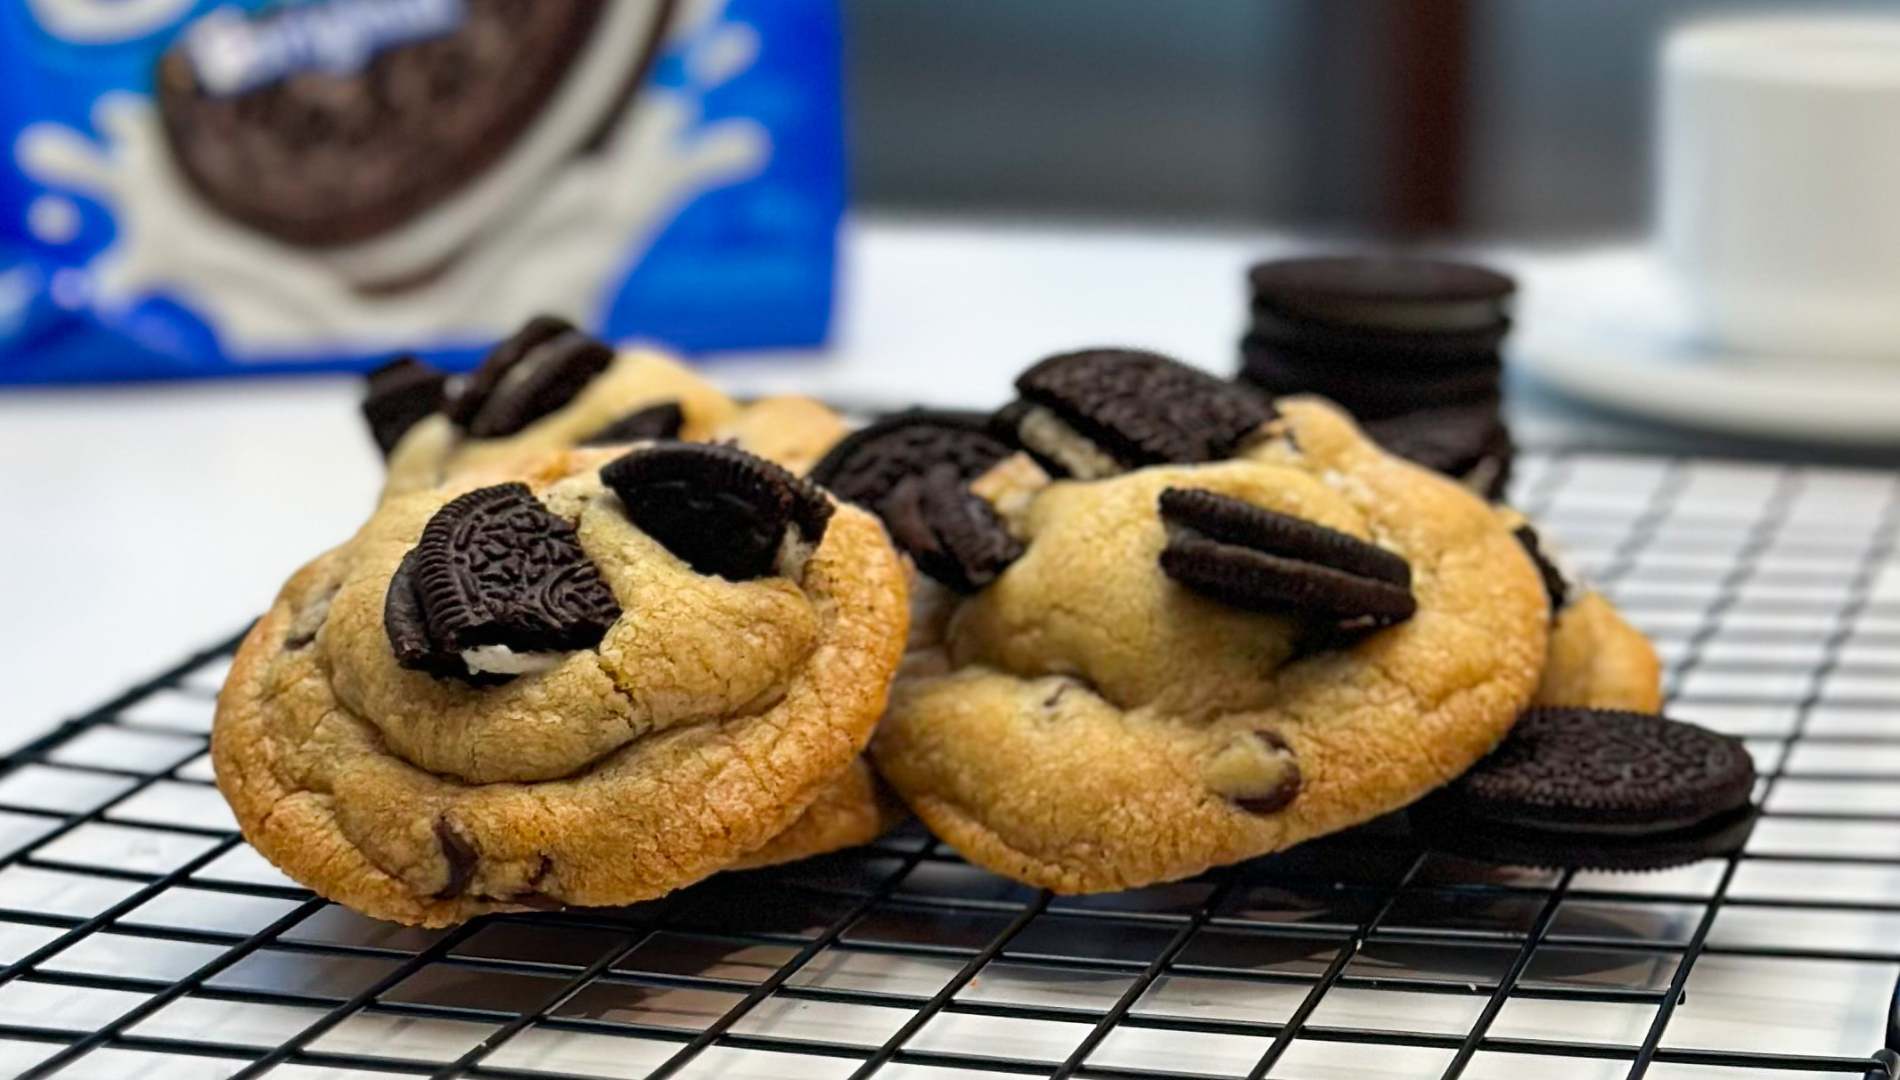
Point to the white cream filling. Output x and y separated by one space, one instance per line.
794 554
1052 437
501 660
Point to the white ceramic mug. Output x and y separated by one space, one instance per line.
1779 184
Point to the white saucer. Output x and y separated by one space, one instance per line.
1607 326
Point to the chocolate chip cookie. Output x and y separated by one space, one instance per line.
1597 660
1195 662
551 690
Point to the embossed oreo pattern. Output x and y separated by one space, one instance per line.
1142 408
495 567
869 463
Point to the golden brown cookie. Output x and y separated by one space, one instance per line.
1088 723
1599 661
711 715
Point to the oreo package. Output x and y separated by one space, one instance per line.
198 187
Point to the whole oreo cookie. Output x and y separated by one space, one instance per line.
399 395
1385 293
494 576
264 125
721 510
952 535
1366 389
543 366
1599 790
1251 557
1098 412
662 421
868 464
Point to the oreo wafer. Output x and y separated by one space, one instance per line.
543 366
399 395
1251 557
1468 443
951 534
662 421
868 464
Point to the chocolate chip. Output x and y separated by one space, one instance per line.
719 508
662 421
1555 586
1251 557
1100 411
1259 773
400 394
460 856
494 568
952 535
866 465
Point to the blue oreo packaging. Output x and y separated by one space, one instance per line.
212 187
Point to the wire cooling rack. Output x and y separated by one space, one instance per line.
141 938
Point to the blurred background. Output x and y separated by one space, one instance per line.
1513 120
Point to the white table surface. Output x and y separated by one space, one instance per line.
147 521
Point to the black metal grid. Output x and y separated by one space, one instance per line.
141 938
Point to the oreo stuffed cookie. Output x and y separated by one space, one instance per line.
551 387
1225 632
603 678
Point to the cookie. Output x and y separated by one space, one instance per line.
1385 293
1596 660
1251 557
866 465
719 509
1098 412
662 421
1596 789
707 720
1468 443
952 535
399 395
1085 723
387 136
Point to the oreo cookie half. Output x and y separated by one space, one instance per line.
721 510
495 580
543 366
868 464
662 421
1596 789
1099 412
1251 557
952 535
400 394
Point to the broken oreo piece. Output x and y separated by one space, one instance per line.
868 464
400 394
1596 789
662 421
1251 557
1099 412
547 377
494 576
499 361
719 508
951 534
1556 586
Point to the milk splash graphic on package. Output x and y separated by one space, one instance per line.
266 297
700 209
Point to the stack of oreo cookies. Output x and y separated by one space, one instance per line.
1408 346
